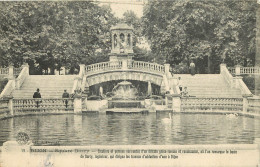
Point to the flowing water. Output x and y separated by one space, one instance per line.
134 129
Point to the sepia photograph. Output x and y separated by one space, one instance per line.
130 83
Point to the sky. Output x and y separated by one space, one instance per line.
120 6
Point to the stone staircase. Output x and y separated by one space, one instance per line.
208 85
51 86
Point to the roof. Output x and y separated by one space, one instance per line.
121 26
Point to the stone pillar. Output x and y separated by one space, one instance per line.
82 69
26 66
176 103
149 88
167 68
11 107
101 91
245 103
124 64
11 72
237 70
113 42
77 104
222 67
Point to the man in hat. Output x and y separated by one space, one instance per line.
65 95
37 94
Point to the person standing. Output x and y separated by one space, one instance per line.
65 95
37 94
179 83
192 68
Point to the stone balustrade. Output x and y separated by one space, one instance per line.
103 66
226 74
238 70
4 71
141 65
134 65
4 107
193 103
24 105
254 105
17 71
10 71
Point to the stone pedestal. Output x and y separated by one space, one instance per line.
124 64
176 103
82 69
167 69
77 104
149 88
11 72
237 70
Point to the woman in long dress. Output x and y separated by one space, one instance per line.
192 68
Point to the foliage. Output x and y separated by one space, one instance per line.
53 34
183 30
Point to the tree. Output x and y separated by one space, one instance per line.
183 30
53 34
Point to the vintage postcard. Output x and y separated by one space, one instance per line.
130 83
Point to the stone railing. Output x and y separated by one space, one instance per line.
236 81
125 65
141 65
34 105
4 107
226 74
243 88
104 66
17 71
238 70
22 76
10 71
9 87
254 105
192 103
4 71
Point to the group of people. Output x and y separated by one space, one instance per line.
37 94
184 91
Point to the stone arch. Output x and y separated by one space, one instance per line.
110 76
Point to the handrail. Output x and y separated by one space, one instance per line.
146 66
4 105
4 71
227 76
212 103
9 87
33 104
22 76
17 70
249 70
243 88
104 66
244 70
135 65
